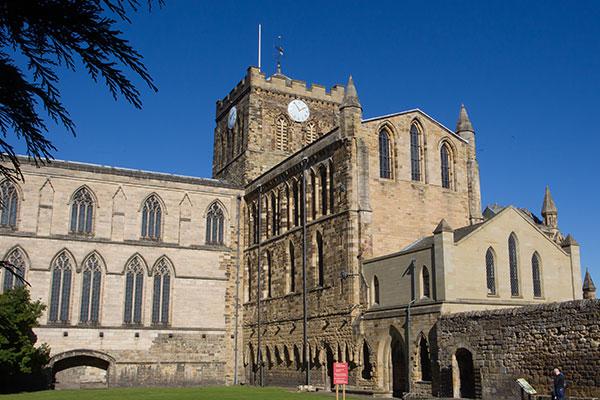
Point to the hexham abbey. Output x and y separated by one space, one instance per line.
322 237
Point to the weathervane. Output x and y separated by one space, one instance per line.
279 49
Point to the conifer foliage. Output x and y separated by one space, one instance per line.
38 39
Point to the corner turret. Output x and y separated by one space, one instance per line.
464 128
350 111
549 211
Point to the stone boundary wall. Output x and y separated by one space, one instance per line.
526 342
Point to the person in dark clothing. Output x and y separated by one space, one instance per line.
559 385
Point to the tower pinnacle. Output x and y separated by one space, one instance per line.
549 210
589 290
464 123
350 96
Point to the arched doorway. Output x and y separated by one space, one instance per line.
398 362
463 374
330 360
251 366
81 369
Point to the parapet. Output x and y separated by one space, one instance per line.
256 78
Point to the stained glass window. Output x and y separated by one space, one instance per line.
162 293
82 212
514 266
415 152
385 170
134 290
60 293
16 259
214 225
151 218
10 200
90 290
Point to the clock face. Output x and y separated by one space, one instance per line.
298 110
232 117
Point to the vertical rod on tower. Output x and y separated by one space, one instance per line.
306 352
258 226
259 44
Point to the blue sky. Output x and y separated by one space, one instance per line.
528 72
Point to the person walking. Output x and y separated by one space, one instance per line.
559 385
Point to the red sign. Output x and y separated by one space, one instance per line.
340 373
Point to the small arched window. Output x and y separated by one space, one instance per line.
376 299
281 134
134 291
320 262
324 191
90 290
490 272
151 218
161 294
255 224
10 201
311 132
426 282
15 277
331 187
250 280
296 203
446 165
269 275
274 214
82 212
385 161
214 225
60 293
415 152
292 272
314 194
513 260
537 275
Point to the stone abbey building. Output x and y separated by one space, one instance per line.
159 279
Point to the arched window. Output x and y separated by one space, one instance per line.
10 200
214 225
424 360
292 276
90 290
513 264
16 259
446 161
162 293
151 218
281 134
82 212
426 282
311 132
60 294
376 299
134 291
288 208
537 275
313 185
250 280
331 187
415 152
385 161
320 262
490 272
274 214
255 224
296 204
269 275
367 366
323 182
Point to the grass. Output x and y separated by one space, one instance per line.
199 393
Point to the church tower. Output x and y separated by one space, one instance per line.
264 120
464 128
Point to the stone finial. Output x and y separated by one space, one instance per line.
569 241
443 226
350 96
464 123
589 290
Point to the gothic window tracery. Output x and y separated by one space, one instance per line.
134 290
16 259
446 166
214 225
161 293
415 152
90 290
60 292
385 160
324 190
320 261
82 212
151 218
9 204
311 132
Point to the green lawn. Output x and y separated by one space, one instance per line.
207 393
